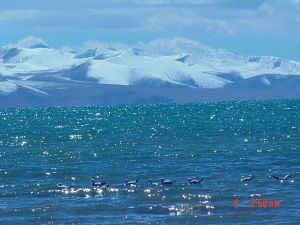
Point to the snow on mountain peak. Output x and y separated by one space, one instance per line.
178 45
32 42
176 61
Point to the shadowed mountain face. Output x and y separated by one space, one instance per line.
79 73
234 77
268 82
7 54
38 75
87 54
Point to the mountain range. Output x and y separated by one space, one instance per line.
34 74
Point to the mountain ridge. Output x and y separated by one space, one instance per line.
32 64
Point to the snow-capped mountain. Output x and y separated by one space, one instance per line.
34 66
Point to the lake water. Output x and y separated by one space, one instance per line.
220 142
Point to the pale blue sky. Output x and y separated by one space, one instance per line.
249 27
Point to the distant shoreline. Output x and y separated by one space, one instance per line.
105 94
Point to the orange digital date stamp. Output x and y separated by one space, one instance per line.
260 203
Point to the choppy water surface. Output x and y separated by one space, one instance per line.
220 142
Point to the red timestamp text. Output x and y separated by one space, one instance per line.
260 203
264 203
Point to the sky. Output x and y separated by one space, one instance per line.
248 27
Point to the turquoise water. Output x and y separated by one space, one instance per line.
220 142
